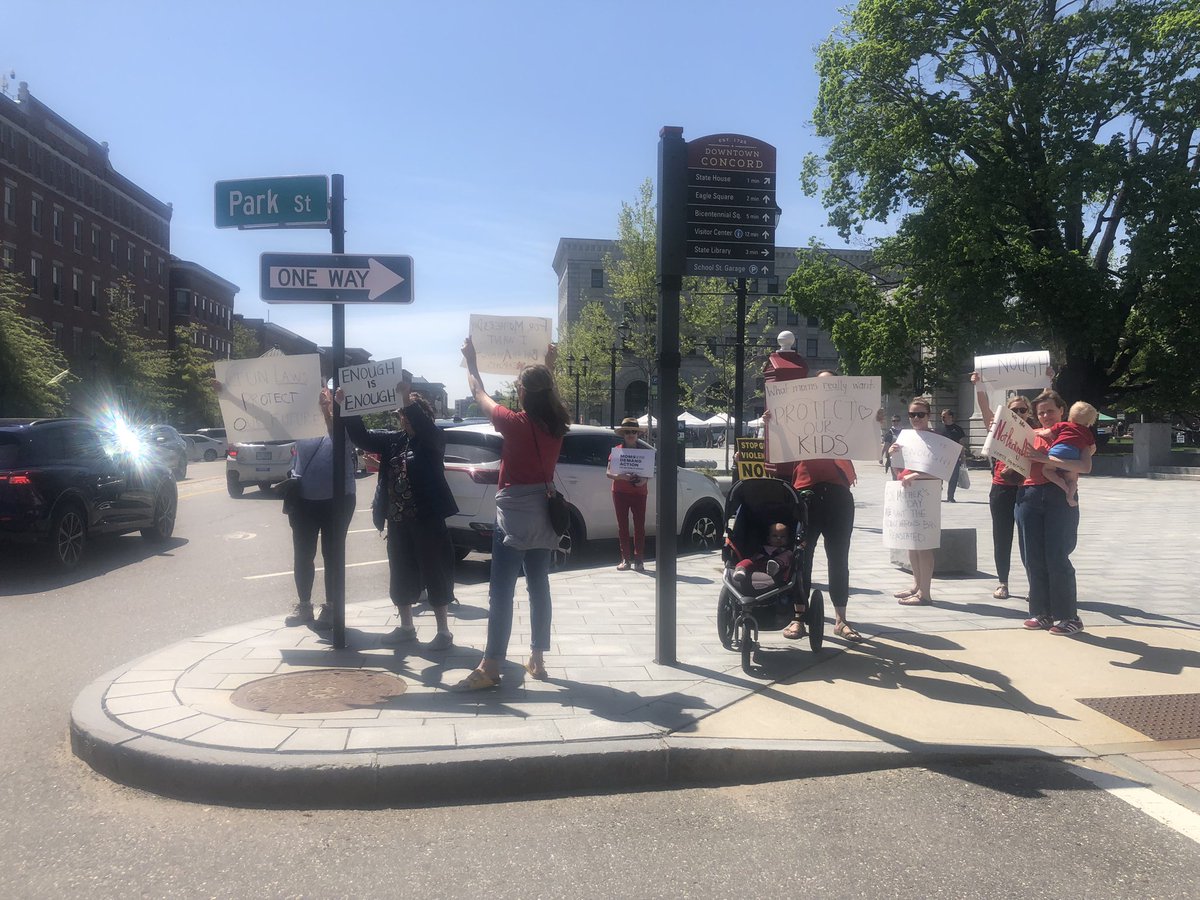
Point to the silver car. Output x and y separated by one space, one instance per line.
473 471
266 464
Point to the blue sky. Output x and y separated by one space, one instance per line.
472 135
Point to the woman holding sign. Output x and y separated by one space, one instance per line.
629 493
921 561
523 538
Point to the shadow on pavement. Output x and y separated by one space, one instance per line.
1127 614
29 570
1166 660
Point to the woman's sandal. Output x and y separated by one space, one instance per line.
915 600
900 595
795 629
536 671
476 681
847 632
1000 593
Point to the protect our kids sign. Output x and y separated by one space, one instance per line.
631 461
930 453
371 387
1009 440
912 515
271 398
504 345
823 418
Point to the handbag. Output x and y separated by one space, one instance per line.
964 480
289 488
560 514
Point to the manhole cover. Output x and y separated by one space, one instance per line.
1163 717
325 690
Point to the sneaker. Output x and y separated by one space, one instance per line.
1037 623
443 640
772 567
301 614
399 636
1067 626
324 620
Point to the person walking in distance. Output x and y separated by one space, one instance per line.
951 429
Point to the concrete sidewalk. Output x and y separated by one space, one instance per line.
959 678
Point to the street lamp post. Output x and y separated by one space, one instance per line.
622 333
577 372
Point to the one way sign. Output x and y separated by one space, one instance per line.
336 278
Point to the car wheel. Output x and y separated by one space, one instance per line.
163 524
265 487
68 537
235 486
180 473
210 454
701 530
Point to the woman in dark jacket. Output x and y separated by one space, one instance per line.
417 502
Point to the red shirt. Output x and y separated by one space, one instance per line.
808 472
1040 445
1072 434
524 444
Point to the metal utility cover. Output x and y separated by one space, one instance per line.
1163 717
321 691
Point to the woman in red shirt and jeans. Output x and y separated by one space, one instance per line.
629 493
523 538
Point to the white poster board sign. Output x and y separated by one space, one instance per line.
1004 372
371 387
631 461
271 398
1009 440
912 515
504 345
928 452
823 418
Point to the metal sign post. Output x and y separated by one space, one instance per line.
337 231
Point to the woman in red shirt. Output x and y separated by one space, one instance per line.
523 539
629 493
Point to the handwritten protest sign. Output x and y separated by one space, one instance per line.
912 515
928 452
822 418
271 398
1004 372
504 345
371 386
752 458
631 461
1009 440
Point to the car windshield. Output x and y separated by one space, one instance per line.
472 447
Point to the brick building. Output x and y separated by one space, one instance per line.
205 299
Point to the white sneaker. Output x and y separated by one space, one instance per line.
302 614
399 636
443 640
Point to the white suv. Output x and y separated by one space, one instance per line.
473 471
266 464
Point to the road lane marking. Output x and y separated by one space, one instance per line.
1142 798
374 562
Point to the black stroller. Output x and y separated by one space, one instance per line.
762 602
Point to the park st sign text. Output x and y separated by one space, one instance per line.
283 202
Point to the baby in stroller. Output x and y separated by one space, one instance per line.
775 561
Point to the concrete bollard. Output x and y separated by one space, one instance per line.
957 555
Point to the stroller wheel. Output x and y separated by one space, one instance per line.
749 644
726 616
816 621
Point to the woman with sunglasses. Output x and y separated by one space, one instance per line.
1048 528
921 561
1002 499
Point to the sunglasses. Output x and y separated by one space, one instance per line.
917 415
1020 410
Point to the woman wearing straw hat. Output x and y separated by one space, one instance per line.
629 494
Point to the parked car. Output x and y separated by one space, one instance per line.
473 471
215 433
265 463
60 485
203 447
168 447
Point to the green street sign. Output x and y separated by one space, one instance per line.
285 202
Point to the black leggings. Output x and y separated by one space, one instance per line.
831 516
313 519
1002 501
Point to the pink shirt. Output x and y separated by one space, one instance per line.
524 445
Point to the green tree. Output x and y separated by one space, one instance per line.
1042 159
192 374
31 365
590 336
245 342
140 366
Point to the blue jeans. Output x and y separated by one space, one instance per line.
1048 529
507 564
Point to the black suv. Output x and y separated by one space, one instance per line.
59 485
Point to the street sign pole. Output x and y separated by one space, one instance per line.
337 231
672 226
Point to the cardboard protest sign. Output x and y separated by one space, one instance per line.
371 387
631 461
752 459
912 515
822 418
271 398
1004 372
928 452
504 345
1009 440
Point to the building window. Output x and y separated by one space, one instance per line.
162 316
10 203
129 259
793 317
146 265
162 271
56 224
56 280
8 257
813 322
76 342
182 300
113 248
811 347
35 274
77 234
57 328
95 296
35 215
95 242
76 287
598 278
145 311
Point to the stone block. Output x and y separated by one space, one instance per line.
957 555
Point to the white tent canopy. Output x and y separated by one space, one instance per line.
689 420
648 421
720 420
755 423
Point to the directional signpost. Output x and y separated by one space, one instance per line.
291 201
730 207
336 278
